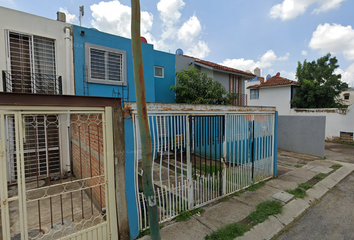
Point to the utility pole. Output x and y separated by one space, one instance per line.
145 136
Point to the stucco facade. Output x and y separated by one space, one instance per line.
29 26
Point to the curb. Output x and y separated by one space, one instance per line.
272 226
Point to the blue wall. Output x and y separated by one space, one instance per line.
157 89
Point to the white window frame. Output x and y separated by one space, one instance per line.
88 47
163 71
254 96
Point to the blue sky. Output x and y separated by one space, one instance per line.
273 35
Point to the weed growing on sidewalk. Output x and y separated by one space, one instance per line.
297 192
187 215
231 231
300 191
264 210
254 187
336 166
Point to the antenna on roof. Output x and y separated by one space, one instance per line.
81 14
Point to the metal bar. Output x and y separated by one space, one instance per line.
252 150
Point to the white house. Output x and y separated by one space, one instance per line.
348 96
37 58
276 91
38 55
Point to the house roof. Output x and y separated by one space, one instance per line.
275 81
221 67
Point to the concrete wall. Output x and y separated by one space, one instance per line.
155 87
182 63
25 23
223 78
278 97
336 120
302 134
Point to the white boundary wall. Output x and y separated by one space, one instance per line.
336 120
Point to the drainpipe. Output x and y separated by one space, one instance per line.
68 60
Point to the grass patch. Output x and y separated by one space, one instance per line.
254 187
298 166
209 169
336 166
187 215
320 176
305 186
264 210
229 232
234 230
300 191
236 194
297 192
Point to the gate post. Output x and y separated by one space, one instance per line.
223 159
189 164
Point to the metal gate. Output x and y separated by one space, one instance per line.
202 154
57 173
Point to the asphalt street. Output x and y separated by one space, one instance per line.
332 218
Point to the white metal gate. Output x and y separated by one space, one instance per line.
202 154
60 187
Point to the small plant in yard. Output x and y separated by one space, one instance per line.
264 210
187 215
298 166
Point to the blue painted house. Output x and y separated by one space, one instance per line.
104 67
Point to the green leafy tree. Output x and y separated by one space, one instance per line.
197 88
320 86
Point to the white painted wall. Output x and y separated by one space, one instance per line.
351 96
336 121
278 97
27 23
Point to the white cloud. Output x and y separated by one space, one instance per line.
347 75
70 18
201 50
288 75
115 18
290 9
170 10
267 60
335 38
189 31
304 53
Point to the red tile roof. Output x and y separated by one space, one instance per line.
221 67
275 81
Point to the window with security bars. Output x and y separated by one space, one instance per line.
32 66
105 65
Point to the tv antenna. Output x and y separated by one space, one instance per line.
81 14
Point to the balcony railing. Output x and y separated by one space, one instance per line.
31 83
241 100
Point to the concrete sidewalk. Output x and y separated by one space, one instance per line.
294 168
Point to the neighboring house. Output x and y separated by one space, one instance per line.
38 55
232 79
104 67
348 96
276 91
36 59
